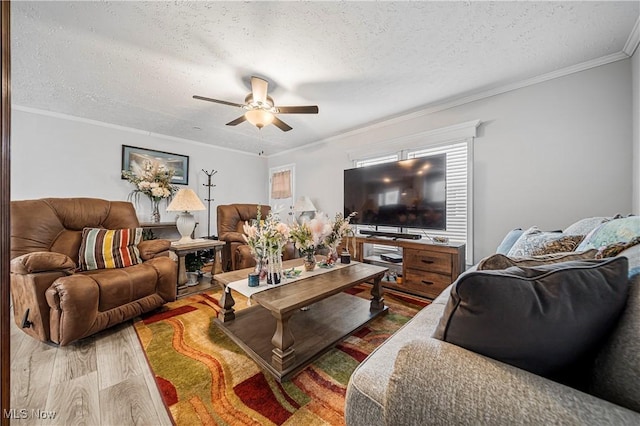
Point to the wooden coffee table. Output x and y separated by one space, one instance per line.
284 339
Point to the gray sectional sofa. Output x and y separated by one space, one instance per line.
415 379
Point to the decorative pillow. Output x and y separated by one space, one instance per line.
500 261
616 248
542 319
509 240
564 244
584 226
534 242
106 248
615 231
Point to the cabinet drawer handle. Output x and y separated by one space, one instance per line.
426 261
427 282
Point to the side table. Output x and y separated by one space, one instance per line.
181 250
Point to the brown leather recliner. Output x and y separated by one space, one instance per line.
236 253
66 305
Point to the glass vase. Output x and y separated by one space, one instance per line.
155 211
332 256
261 267
309 260
274 266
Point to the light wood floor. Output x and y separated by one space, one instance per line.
102 380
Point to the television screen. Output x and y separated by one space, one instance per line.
407 194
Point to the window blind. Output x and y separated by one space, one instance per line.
457 190
377 160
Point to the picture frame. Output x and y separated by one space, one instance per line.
134 157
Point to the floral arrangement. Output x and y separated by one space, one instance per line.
267 237
310 236
154 181
339 229
266 241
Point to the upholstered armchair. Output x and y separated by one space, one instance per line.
236 253
56 300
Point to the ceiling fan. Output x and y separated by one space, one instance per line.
260 107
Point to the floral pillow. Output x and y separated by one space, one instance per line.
586 225
534 242
615 231
615 249
500 261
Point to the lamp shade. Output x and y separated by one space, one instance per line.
185 200
304 204
259 117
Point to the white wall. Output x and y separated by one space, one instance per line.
63 157
546 155
635 72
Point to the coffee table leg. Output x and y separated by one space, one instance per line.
283 354
377 301
227 313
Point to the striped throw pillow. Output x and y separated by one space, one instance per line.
109 248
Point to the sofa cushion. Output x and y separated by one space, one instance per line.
584 226
614 231
509 240
616 375
541 319
535 242
368 384
109 248
500 261
120 286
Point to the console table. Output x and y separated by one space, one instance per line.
427 268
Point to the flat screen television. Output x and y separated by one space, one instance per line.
405 194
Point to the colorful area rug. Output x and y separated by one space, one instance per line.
205 378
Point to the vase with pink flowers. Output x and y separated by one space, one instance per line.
309 237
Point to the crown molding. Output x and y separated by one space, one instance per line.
465 130
634 39
458 101
123 128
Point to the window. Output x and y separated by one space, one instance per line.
457 189
377 160
458 192
281 185
282 190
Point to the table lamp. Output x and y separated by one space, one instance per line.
185 201
306 209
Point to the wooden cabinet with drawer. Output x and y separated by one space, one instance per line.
427 268
427 271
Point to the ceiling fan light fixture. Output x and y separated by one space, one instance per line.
259 117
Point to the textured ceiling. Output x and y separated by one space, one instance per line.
137 64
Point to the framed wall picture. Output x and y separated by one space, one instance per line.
134 158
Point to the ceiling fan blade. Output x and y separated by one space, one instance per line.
259 90
281 124
311 109
237 121
218 101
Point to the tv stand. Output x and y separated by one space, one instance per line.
395 235
427 268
